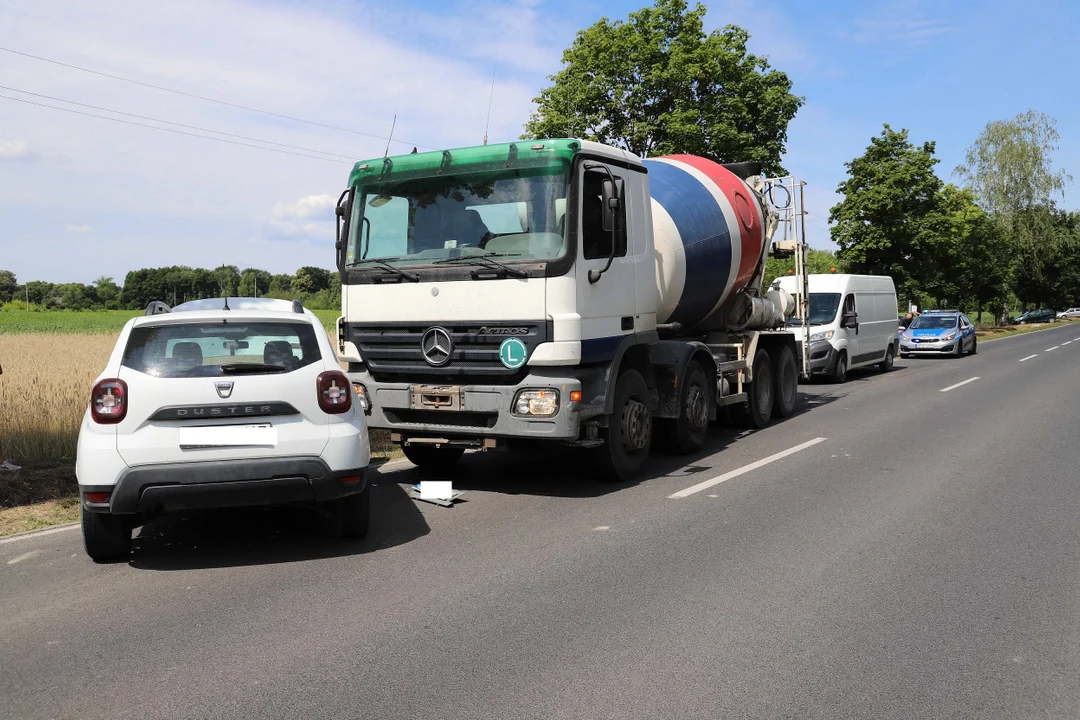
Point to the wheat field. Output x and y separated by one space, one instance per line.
44 388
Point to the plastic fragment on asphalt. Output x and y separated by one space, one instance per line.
439 492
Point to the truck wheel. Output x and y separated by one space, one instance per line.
890 357
839 374
756 412
429 457
786 389
107 538
629 432
686 434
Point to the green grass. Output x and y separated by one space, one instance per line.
96 322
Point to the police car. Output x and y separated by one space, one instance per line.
220 403
939 332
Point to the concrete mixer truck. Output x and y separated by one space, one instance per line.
559 291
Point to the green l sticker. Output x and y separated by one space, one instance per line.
513 353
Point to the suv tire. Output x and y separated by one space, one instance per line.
107 538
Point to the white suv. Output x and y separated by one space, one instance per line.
220 403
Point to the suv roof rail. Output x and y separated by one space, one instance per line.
297 307
157 308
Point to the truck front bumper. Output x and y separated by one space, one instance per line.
485 411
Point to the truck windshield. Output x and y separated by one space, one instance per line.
513 214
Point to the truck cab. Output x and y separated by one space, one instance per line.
511 291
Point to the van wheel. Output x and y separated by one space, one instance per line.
757 411
890 357
429 457
107 538
686 434
629 432
786 390
839 374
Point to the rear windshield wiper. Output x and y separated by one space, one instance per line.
237 368
485 259
385 263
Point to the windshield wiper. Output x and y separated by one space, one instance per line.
485 259
237 368
385 263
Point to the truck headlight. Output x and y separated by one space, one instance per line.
362 398
542 403
821 336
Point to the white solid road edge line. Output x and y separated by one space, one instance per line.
706 484
1029 357
37 533
953 387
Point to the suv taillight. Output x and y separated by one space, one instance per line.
109 401
335 393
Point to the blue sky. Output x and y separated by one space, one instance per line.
82 197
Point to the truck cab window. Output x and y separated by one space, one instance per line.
596 242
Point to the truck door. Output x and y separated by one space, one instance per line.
606 306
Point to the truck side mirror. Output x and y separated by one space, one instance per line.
610 205
341 211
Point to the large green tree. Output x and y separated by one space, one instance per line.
8 286
889 217
659 84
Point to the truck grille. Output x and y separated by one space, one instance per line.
393 353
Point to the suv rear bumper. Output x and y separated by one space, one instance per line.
227 483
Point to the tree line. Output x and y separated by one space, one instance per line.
994 240
316 287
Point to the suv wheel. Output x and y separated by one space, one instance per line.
107 538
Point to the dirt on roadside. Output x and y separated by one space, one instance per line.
37 484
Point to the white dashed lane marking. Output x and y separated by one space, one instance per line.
706 484
960 384
1029 357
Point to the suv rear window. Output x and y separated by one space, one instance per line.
213 349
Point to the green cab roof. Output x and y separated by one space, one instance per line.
518 154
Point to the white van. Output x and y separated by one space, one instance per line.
853 322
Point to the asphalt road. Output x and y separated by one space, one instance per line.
922 560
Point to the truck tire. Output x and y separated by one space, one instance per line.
349 517
107 538
686 434
429 457
629 433
786 381
757 411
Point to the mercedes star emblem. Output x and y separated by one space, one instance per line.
437 346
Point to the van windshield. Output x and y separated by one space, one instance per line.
823 308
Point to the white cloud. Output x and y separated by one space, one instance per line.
78 228
309 218
15 150
899 27
341 64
